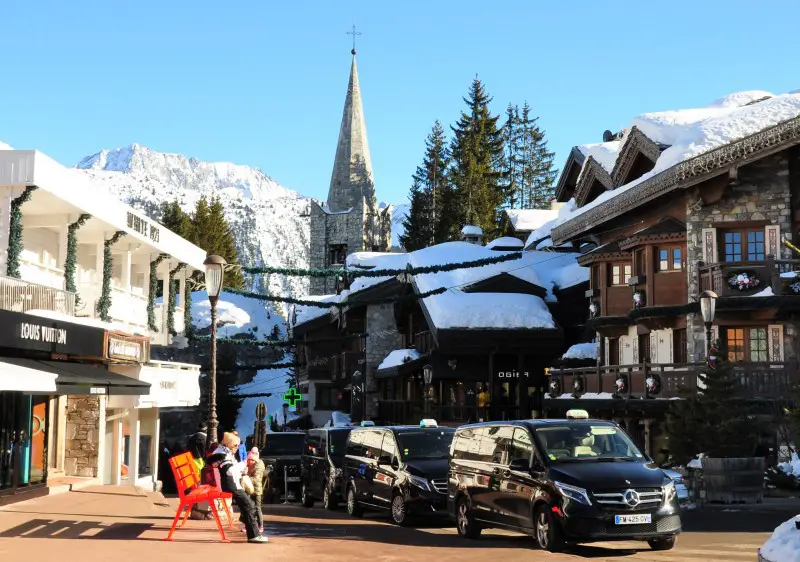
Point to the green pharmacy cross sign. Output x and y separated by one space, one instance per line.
293 397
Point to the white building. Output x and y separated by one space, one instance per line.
102 421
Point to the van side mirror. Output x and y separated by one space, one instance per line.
384 459
537 465
520 465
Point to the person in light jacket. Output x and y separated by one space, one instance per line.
258 474
230 472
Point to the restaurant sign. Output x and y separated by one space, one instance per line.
128 348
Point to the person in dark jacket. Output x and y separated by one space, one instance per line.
197 442
230 473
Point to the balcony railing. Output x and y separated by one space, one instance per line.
21 296
646 380
346 363
424 342
717 276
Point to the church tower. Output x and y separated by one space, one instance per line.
350 221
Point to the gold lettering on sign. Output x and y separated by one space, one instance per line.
124 349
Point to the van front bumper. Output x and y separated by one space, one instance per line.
593 524
422 501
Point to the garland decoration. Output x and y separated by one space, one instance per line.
353 273
795 287
104 303
594 309
622 384
151 295
555 388
653 384
15 232
172 298
578 386
743 281
70 261
330 304
188 327
638 299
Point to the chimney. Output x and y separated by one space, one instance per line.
472 234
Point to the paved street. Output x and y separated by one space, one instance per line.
88 525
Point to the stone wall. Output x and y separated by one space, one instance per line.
760 193
81 451
382 339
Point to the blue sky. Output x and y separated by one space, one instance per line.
262 83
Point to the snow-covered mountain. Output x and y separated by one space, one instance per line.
399 214
270 222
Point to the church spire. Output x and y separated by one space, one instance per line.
352 167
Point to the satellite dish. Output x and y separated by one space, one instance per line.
608 136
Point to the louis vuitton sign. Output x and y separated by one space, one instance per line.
26 331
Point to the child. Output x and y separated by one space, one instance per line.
257 473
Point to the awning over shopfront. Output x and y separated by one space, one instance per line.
79 378
18 378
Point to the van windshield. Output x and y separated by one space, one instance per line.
586 442
337 441
425 445
279 444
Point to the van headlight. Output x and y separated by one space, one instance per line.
669 491
419 482
573 493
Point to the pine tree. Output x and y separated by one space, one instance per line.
173 217
536 173
428 186
477 166
513 137
211 231
713 419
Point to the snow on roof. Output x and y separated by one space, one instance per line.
784 544
470 230
374 260
582 351
530 219
398 357
308 313
691 132
564 214
604 152
455 309
505 242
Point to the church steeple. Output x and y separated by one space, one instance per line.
352 168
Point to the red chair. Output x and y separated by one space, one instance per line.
224 496
192 492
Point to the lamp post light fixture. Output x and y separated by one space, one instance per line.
285 414
708 305
214 276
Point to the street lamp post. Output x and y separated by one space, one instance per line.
427 377
215 273
285 414
708 305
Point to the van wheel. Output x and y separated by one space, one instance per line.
353 508
307 500
662 544
465 522
399 509
548 533
327 499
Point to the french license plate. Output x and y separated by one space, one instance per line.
293 479
633 519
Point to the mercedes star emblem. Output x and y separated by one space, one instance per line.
631 498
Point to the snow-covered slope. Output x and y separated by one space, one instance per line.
399 214
270 222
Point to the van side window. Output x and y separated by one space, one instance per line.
467 445
521 445
372 444
389 447
355 444
313 444
500 442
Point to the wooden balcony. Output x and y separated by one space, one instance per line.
424 342
755 380
716 276
345 364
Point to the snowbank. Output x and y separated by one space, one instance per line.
236 315
266 381
398 357
582 351
792 467
455 309
784 545
339 419
530 219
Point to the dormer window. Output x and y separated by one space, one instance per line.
338 254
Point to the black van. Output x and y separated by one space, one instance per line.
321 465
399 469
281 458
561 481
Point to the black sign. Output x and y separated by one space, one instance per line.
26 331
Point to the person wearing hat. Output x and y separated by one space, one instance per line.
241 452
258 475
231 472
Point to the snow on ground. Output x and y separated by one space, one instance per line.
764 293
236 315
691 132
339 419
582 351
266 380
792 467
784 545
398 357
530 219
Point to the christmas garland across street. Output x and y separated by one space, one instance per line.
323 304
72 250
15 232
104 303
151 296
354 273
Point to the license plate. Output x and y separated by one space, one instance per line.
632 519
293 479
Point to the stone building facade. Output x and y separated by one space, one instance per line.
351 220
82 453
382 338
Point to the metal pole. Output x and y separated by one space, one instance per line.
211 436
285 486
708 339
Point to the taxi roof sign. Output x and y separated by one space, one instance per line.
367 423
577 415
428 423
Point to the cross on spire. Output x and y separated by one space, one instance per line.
353 33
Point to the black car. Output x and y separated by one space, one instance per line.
321 466
574 480
281 458
399 469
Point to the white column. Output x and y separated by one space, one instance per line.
116 462
127 259
5 218
62 248
101 439
155 444
136 431
166 265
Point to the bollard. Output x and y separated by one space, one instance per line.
285 486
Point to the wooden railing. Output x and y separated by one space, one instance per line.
717 276
648 380
424 342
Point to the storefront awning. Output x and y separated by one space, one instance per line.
19 378
79 378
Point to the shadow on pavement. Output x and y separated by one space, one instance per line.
55 529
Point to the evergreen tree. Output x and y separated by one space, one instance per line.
173 217
211 231
513 137
713 419
477 166
536 173
427 189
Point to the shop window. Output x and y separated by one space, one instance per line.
679 346
145 450
743 245
669 258
338 254
746 345
619 273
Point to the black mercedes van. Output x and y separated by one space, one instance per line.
573 480
401 469
321 466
